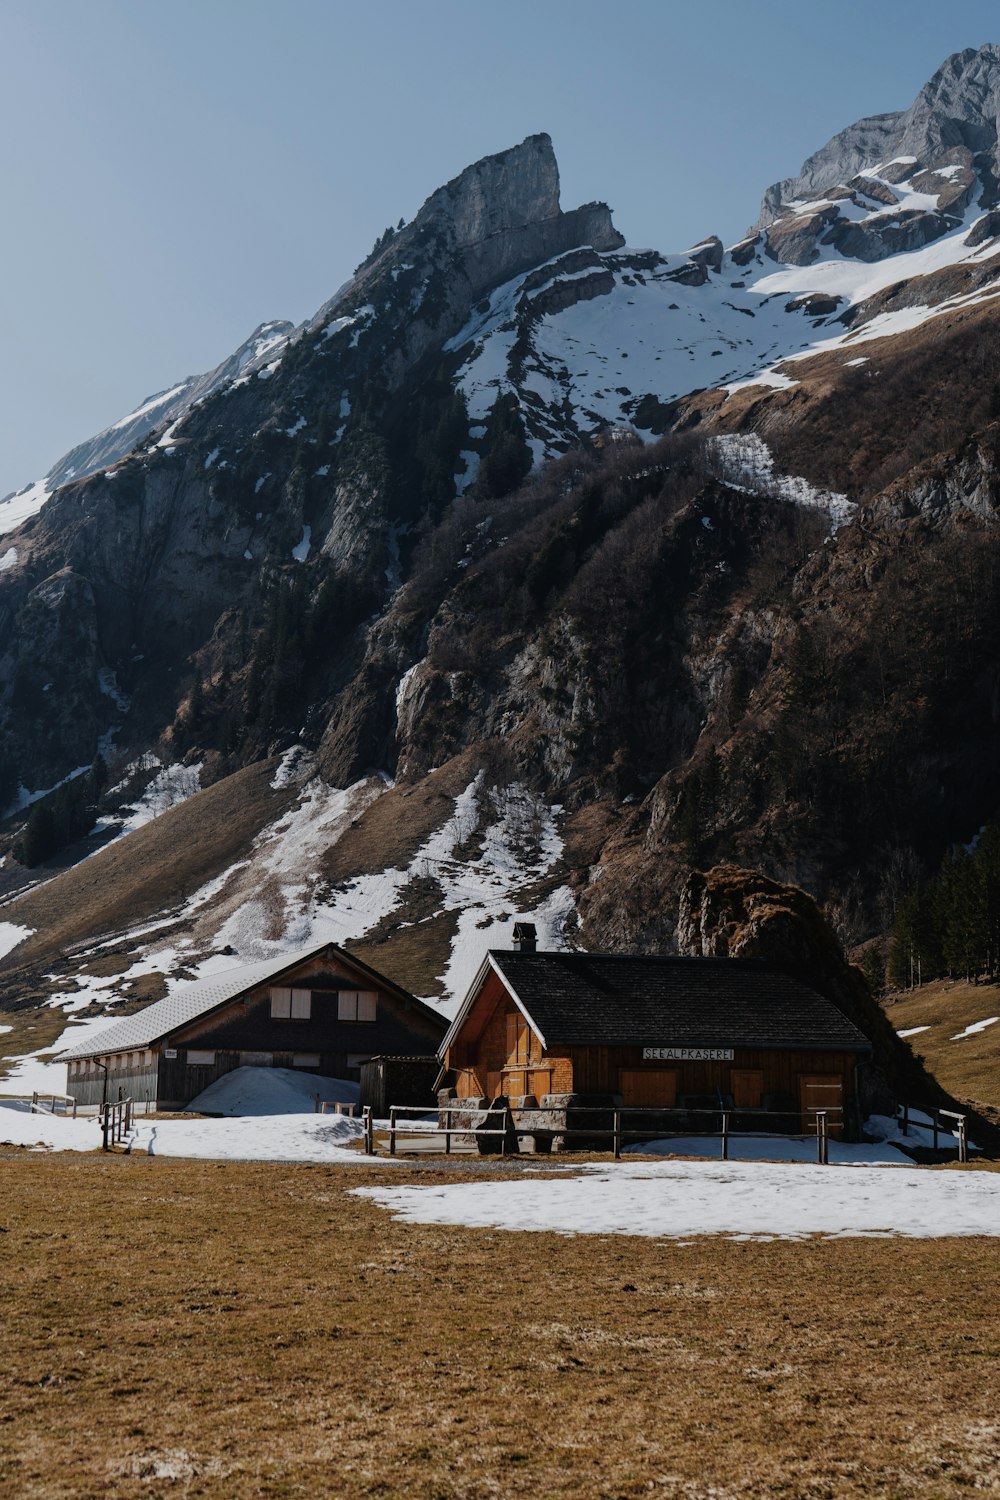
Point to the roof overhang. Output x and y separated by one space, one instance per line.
487 967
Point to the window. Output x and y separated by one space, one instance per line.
356 1005
198 1059
294 1005
305 1059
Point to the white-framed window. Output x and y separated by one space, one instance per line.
356 1005
199 1059
305 1059
291 1005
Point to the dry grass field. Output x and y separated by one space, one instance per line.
970 1067
217 1330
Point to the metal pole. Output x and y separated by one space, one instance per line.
819 1137
618 1134
392 1130
725 1135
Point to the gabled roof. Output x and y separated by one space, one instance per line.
200 996
619 1000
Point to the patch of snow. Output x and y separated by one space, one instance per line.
41 1070
975 1028
295 765
24 798
168 788
107 681
211 457
248 556
296 427
676 1200
404 683
913 1030
151 404
272 1091
261 483
301 550
8 560
322 471
12 933
745 463
468 475
16 509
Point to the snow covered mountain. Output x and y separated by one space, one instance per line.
113 443
530 668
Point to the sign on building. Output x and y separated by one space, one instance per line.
687 1054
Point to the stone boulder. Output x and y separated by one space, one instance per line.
735 913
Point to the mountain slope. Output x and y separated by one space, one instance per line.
566 566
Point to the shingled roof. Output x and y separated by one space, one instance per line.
197 998
619 1000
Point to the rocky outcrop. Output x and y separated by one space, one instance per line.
959 107
735 913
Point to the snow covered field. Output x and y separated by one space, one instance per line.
285 1137
677 1199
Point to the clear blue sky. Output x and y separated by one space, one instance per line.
175 173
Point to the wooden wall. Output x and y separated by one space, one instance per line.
481 1062
243 1033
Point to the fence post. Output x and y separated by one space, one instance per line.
447 1132
618 1134
105 1122
820 1119
725 1135
34 1100
392 1130
963 1145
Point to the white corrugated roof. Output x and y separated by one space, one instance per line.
186 1003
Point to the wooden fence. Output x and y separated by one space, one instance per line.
116 1121
956 1133
53 1104
617 1126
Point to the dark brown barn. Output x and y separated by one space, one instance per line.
325 1012
668 1032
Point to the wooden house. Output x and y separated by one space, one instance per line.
324 1011
651 1031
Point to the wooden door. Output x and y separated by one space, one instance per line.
540 1082
643 1087
746 1086
822 1091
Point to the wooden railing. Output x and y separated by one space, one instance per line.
39 1106
116 1121
954 1133
617 1131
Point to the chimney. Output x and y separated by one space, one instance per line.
525 940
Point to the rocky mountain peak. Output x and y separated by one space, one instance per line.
958 109
502 192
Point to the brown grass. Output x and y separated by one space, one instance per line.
969 1069
227 1330
152 870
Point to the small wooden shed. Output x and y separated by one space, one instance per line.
651 1031
323 1012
